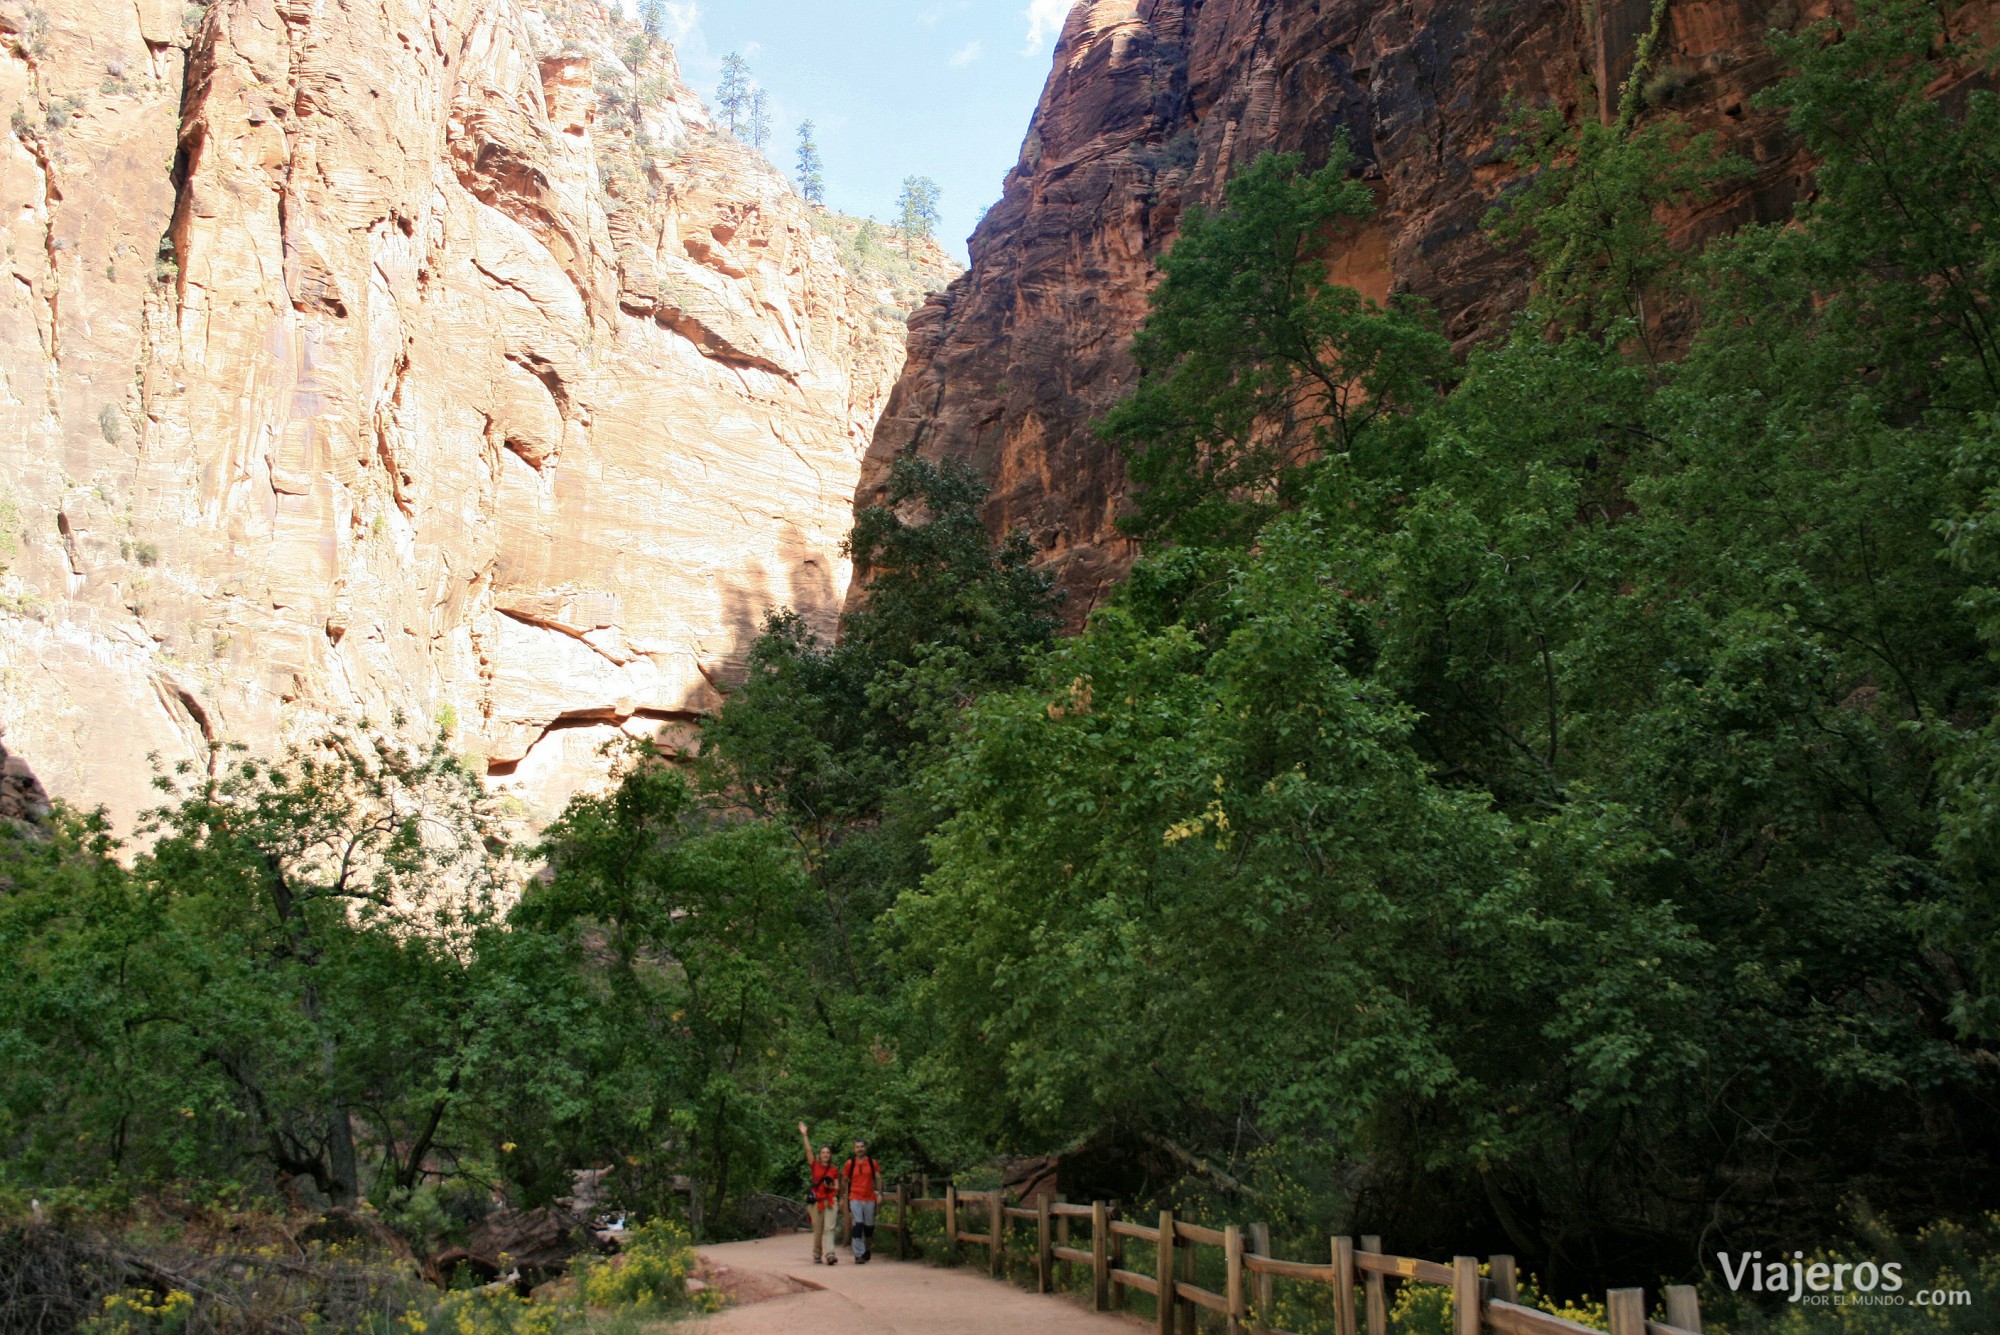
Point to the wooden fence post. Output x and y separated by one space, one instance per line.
1232 1261
1163 1258
1343 1286
1045 1278
1627 1310
951 1224
1184 1269
1100 1257
902 1221
1378 1303
1063 1269
1119 1296
925 1189
1260 1243
996 1204
1465 1307
1505 1287
1684 1307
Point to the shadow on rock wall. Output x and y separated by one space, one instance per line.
575 750
22 799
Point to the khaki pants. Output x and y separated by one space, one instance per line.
826 1229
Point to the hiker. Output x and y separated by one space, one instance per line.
824 1198
861 1175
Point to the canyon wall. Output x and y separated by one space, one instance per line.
1152 104
428 362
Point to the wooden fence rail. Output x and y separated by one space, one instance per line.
1360 1269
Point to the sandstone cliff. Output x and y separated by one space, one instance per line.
432 360
1150 107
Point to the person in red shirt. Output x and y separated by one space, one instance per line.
824 1199
862 1177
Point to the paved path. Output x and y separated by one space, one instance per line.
890 1297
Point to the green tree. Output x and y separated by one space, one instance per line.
810 174
90 992
1588 212
734 92
823 741
337 885
917 210
757 120
817 734
699 925
296 954
933 575
1257 367
1581 754
1868 332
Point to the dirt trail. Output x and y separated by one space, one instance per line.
884 1297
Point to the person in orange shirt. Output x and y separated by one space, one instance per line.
862 1177
824 1199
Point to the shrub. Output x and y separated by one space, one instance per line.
136 1314
1665 85
1179 152
10 519
104 1265
491 1311
1420 1309
650 1274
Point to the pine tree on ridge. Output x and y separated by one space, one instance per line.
810 170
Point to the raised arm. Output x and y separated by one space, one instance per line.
806 1141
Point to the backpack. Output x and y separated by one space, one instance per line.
874 1173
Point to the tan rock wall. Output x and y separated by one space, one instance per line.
431 361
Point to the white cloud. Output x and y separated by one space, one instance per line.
966 54
1045 20
683 17
934 14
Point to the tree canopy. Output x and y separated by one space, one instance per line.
735 93
809 174
917 210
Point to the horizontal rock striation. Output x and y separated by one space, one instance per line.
433 363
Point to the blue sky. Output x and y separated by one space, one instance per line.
937 88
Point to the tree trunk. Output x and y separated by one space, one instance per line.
721 1182
341 1172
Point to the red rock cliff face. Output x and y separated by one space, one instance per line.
1154 103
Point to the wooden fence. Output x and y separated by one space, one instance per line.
1480 1303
